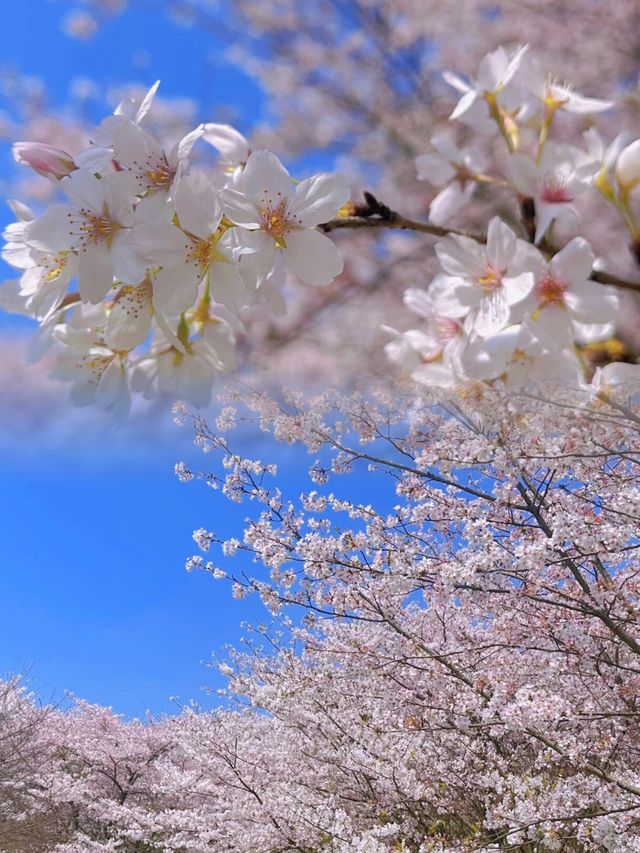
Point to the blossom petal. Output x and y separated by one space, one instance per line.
318 199
518 287
492 313
175 288
592 303
84 190
264 176
523 173
197 205
240 208
464 104
419 301
574 263
460 256
51 232
95 273
501 244
449 201
313 257
227 286
553 327
129 321
488 358
434 169
231 144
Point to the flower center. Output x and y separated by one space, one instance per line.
54 266
94 228
521 357
551 290
275 221
492 277
203 252
463 174
95 365
159 173
554 190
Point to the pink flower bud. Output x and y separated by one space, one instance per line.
45 159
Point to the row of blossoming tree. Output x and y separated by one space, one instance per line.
452 669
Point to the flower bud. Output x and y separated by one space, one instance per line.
628 166
45 159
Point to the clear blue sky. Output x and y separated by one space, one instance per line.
95 599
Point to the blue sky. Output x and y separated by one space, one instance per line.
95 532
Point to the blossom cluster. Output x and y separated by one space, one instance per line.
144 277
504 307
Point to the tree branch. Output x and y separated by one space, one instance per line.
373 214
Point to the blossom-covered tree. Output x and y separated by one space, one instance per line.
463 677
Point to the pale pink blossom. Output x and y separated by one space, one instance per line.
554 183
483 281
284 217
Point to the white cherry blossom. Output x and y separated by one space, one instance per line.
153 168
198 250
557 95
189 375
616 380
554 183
564 295
452 168
97 230
483 281
517 353
96 372
496 70
283 217
46 277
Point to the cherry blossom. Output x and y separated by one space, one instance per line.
453 169
233 147
519 354
556 95
450 664
282 216
153 169
97 229
564 294
187 373
484 280
554 184
198 250
46 277
495 72
392 715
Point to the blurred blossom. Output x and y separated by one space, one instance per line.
79 25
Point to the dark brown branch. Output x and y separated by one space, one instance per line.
373 214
